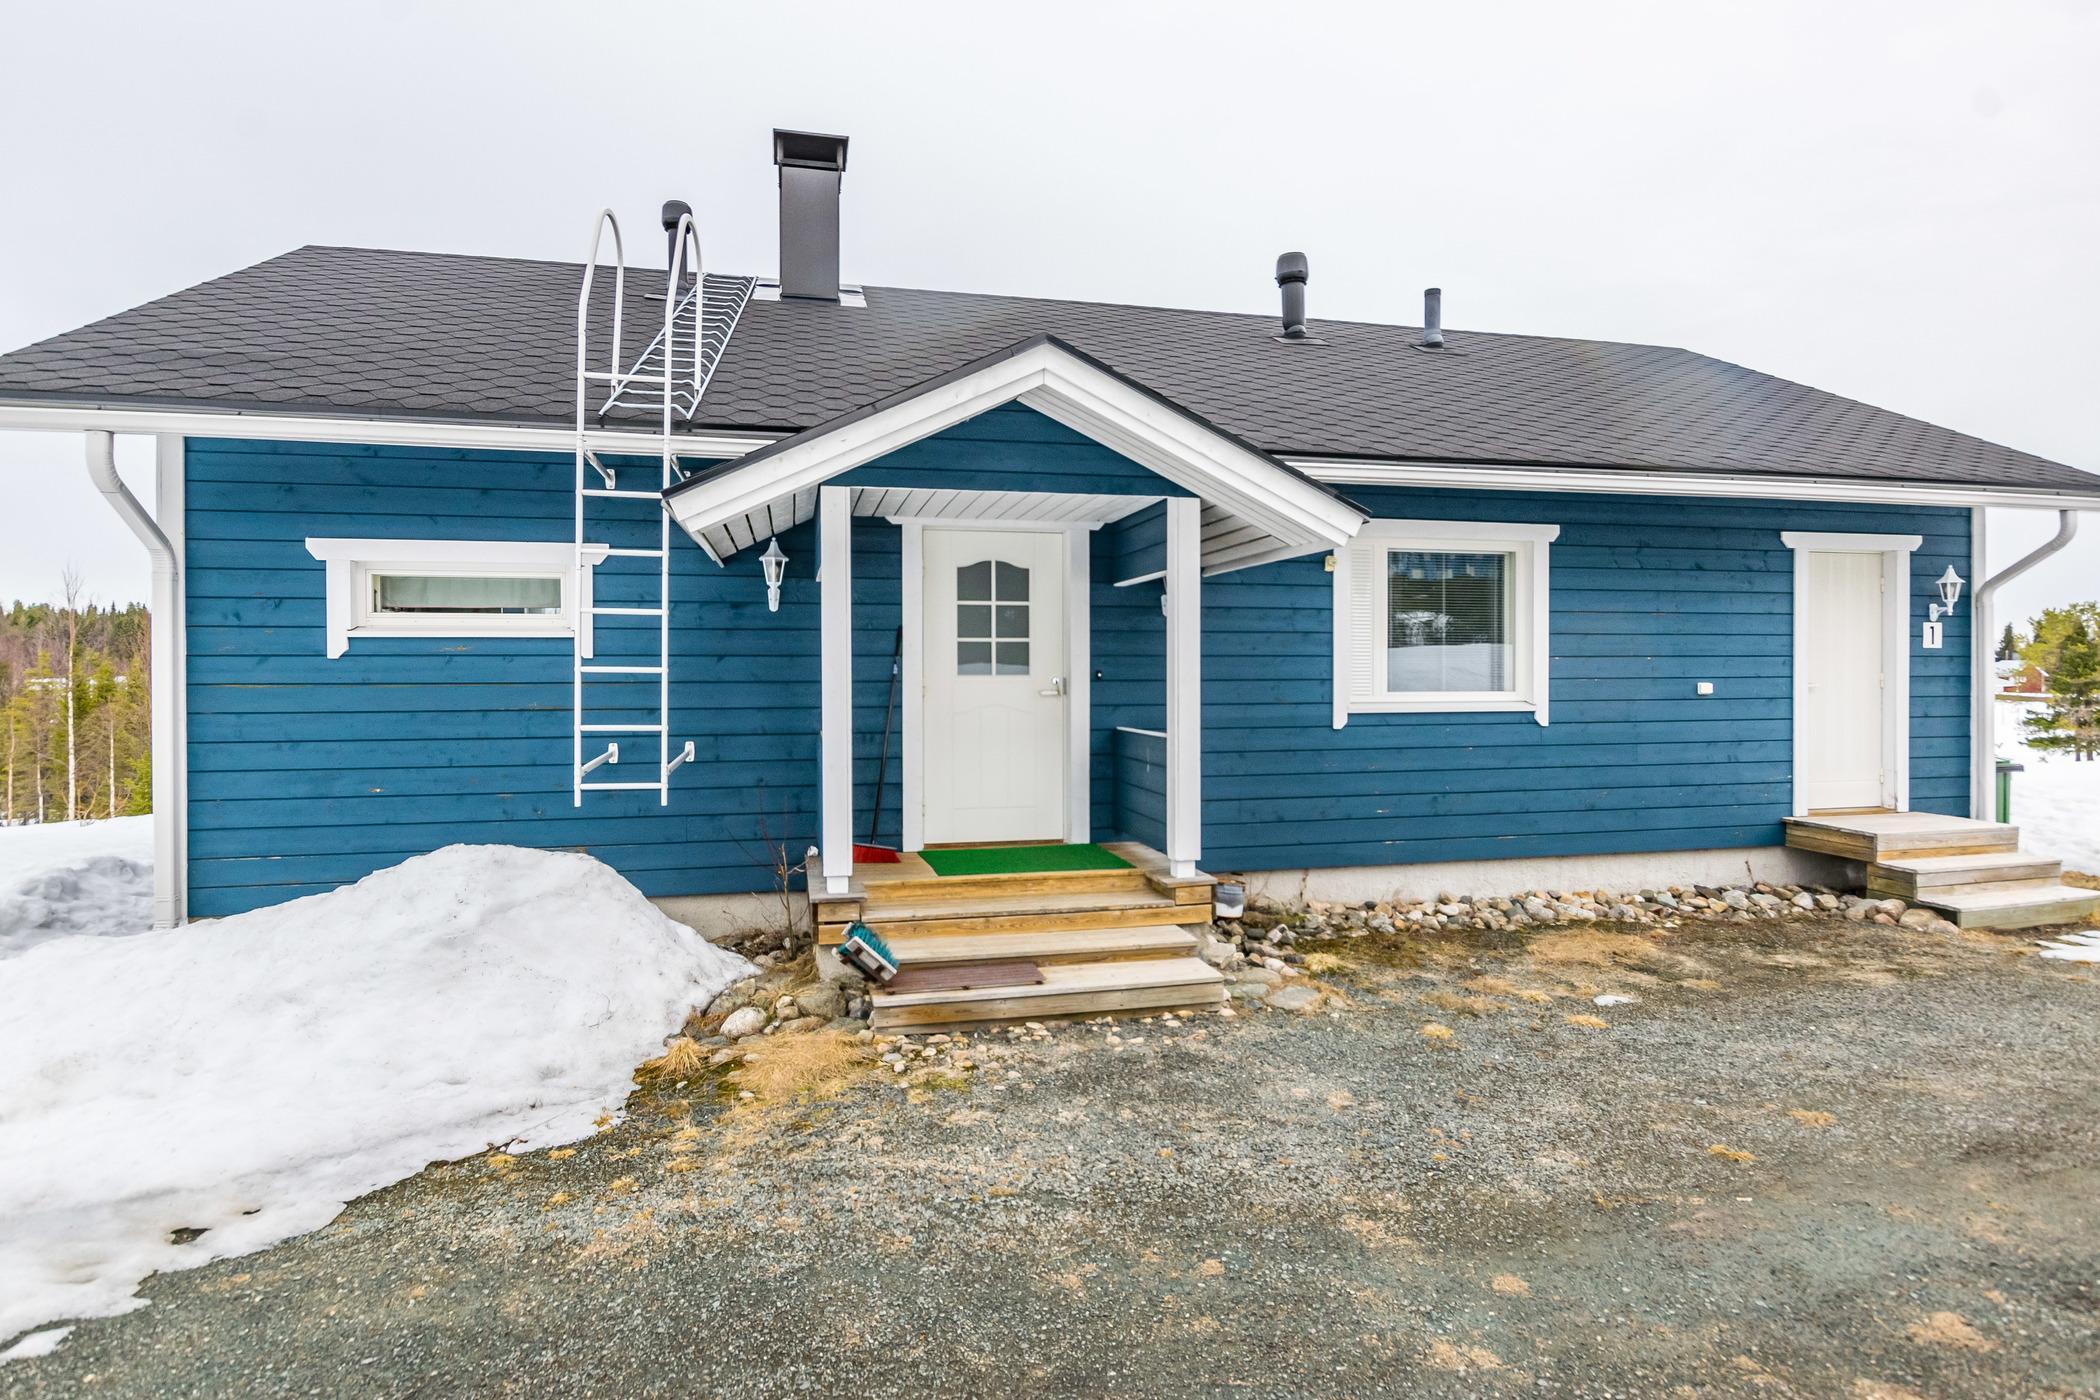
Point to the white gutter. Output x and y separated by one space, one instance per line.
398 432
1983 718
170 854
1735 486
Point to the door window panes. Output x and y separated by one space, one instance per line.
991 619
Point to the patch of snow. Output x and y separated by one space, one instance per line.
2056 801
245 1077
61 878
2072 947
36 1344
1613 999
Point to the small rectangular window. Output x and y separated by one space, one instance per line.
440 594
455 588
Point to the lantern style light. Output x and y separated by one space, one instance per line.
1950 590
775 565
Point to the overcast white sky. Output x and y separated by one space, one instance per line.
1896 202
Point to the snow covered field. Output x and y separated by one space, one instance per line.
74 877
245 1077
2056 802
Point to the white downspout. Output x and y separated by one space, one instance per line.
170 860
1983 641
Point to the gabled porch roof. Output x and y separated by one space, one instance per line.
1255 508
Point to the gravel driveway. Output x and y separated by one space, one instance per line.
1816 1158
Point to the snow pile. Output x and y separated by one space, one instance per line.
247 1076
2056 802
74 877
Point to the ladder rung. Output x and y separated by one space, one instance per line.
627 612
623 495
628 378
622 670
622 728
621 787
635 553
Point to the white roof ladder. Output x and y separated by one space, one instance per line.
614 695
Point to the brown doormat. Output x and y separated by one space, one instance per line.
965 977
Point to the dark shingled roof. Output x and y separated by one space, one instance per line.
375 333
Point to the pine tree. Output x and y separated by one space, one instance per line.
2071 722
2009 644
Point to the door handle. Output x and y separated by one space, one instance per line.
1055 688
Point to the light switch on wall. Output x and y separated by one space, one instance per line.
1706 687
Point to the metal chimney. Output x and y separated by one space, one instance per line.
1432 318
674 210
810 167
1292 270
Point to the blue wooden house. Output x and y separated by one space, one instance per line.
1025 614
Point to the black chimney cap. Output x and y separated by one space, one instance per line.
1292 267
674 210
810 149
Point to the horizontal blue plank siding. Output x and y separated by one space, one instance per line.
1649 597
307 772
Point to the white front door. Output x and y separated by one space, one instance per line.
995 685
1844 736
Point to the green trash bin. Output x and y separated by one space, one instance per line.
2006 768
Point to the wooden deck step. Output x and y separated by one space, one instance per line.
1911 876
1067 989
1043 946
1016 884
993 914
1881 836
2023 906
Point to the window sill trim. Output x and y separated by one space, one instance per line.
1459 705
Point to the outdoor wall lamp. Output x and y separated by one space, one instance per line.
775 564
1950 590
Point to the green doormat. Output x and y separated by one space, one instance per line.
1021 860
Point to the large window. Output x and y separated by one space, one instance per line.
1441 616
454 588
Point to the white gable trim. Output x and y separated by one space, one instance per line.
1299 515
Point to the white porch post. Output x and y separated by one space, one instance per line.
835 618
1184 585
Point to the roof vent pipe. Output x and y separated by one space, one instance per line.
1432 318
1291 272
674 210
811 165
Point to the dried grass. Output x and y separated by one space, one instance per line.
1591 948
1459 1004
1511 1285
1439 1032
1595 1023
1730 1154
814 1064
683 1058
1812 1117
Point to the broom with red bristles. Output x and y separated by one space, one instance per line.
871 853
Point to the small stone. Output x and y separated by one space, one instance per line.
1297 997
748 1020
824 1000
1735 899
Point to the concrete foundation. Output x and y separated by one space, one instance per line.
721 917
1617 874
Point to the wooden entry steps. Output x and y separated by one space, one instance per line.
1106 941
1972 872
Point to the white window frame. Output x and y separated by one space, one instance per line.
351 563
1530 621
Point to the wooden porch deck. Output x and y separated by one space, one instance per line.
1105 941
1973 872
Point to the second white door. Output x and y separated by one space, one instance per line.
993 665
1844 726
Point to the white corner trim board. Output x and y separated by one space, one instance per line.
1362 683
350 564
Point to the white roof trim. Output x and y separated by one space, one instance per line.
392 432
1295 513
1720 485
